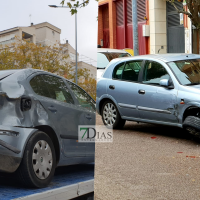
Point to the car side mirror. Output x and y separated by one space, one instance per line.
167 83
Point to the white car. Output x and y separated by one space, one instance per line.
104 56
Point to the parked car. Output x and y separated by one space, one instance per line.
159 89
104 56
39 118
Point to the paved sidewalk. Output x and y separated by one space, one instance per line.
147 162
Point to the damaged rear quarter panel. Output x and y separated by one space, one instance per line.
12 89
19 141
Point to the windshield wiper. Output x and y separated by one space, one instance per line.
193 84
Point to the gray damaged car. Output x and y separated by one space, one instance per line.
39 117
159 89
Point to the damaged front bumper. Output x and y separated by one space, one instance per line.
13 141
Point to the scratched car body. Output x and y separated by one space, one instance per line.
39 118
159 89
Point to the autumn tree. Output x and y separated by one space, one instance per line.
89 85
24 54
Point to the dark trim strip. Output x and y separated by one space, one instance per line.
154 110
127 106
12 133
69 137
9 147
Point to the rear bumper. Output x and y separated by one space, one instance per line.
9 163
13 141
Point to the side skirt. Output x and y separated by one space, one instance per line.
152 121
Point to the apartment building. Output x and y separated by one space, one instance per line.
45 34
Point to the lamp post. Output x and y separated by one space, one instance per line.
54 6
135 27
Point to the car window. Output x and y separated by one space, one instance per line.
83 98
154 72
132 70
58 89
186 71
38 85
117 73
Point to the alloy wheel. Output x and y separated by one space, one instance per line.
109 114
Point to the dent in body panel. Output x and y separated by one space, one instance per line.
12 89
165 101
12 115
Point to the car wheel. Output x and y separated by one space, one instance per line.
111 117
192 125
39 161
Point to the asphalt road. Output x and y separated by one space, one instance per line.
148 162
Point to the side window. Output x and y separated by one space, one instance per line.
117 73
132 70
38 85
83 98
154 72
57 89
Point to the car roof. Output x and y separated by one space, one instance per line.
163 57
18 70
103 50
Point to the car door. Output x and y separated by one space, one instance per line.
123 87
62 112
155 101
87 112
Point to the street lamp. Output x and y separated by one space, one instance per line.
54 6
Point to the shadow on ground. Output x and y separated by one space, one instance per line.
160 130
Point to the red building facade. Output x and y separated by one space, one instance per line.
115 27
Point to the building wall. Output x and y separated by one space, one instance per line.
46 34
112 22
93 70
158 26
120 24
8 37
188 33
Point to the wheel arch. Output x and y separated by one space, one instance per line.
192 110
107 99
51 133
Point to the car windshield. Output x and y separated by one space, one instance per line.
103 58
187 71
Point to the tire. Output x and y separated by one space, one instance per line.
39 161
113 119
192 125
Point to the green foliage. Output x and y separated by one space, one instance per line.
24 54
73 5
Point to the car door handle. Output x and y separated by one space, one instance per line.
52 109
141 91
112 87
88 116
